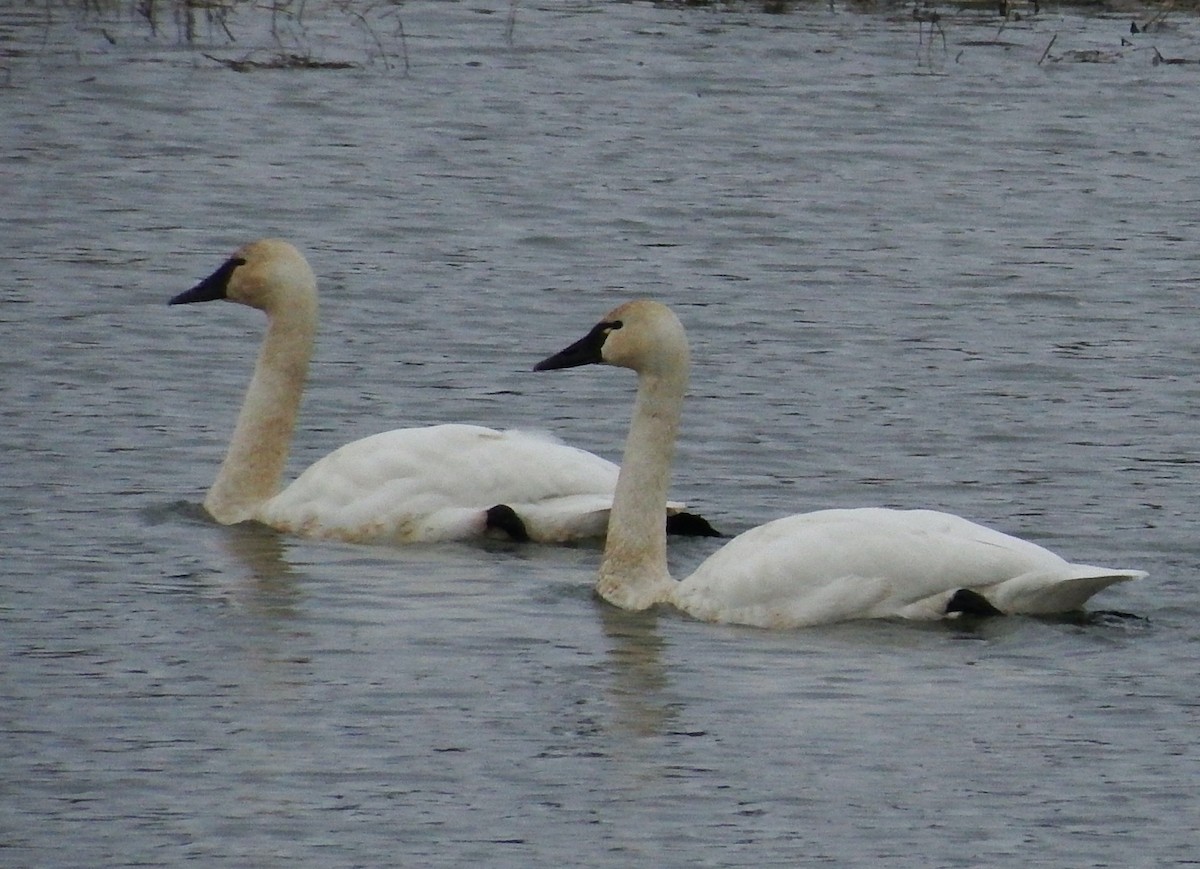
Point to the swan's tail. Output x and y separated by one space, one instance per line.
1047 593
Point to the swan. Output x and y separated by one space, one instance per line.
809 568
436 483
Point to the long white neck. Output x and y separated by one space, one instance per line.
633 572
254 464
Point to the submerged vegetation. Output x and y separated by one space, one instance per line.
189 19
270 34
251 35
999 7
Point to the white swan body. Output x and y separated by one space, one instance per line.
437 483
810 568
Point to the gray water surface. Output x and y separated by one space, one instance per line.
915 272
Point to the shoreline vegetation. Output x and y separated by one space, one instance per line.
250 35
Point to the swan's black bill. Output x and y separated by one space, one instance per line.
585 351
211 288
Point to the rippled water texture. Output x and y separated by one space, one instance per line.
918 267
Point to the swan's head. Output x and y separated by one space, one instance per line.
643 335
264 274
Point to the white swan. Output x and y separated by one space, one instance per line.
443 482
810 568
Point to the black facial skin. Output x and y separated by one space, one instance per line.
585 351
211 288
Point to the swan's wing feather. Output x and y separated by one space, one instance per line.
873 562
